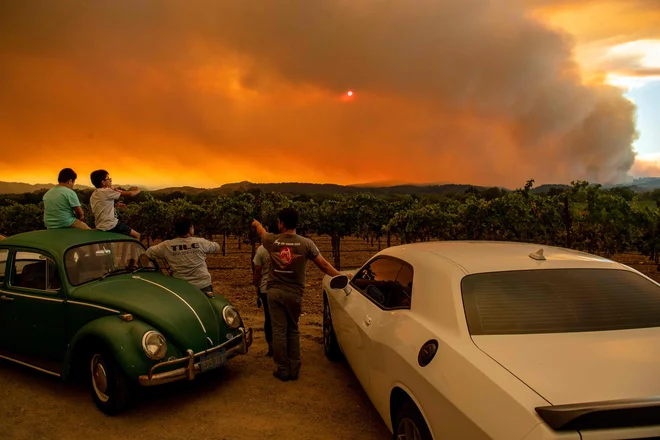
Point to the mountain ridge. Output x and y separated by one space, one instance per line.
640 185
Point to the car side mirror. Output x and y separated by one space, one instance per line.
340 282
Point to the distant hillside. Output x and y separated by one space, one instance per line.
542 189
20 188
296 188
183 189
384 183
329 188
645 184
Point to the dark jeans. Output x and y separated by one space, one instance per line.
121 228
267 324
285 308
207 289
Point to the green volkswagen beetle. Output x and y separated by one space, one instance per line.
91 305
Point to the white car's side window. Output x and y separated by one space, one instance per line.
387 282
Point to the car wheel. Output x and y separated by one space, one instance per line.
410 424
330 344
109 386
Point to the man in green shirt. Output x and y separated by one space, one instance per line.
61 204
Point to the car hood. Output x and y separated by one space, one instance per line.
174 307
583 367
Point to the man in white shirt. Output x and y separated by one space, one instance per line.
103 204
260 278
186 255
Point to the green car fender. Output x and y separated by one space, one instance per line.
218 303
122 338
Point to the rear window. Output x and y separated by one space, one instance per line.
559 301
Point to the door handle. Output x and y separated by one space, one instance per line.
6 298
367 320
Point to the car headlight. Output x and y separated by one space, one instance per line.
231 317
154 345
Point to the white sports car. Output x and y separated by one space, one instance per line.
494 340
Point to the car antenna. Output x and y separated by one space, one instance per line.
538 255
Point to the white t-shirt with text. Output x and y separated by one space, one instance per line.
187 258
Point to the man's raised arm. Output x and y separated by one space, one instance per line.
326 267
260 229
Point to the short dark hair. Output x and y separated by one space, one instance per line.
289 216
97 177
182 226
273 226
66 174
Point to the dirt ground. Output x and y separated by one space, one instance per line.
242 401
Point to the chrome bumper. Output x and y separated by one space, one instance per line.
192 368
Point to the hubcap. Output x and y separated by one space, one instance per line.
99 378
408 430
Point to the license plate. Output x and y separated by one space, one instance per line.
213 360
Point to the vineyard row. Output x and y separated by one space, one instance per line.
582 217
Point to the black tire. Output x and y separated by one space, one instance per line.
409 424
330 344
110 388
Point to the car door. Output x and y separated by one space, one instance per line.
389 337
371 291
4 300
33 309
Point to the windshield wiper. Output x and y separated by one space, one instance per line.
143 268
113 272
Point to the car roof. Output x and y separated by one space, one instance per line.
57 241
495 256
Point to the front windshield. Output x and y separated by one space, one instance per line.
93 261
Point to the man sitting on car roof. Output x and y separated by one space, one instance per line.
61 204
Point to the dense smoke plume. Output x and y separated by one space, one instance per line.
206 92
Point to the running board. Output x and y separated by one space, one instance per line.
602 415
43 366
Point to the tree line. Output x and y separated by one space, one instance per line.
581 216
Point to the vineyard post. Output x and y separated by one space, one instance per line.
252 234
568 221
336 249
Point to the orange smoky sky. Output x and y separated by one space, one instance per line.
203 93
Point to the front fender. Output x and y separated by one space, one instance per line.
122 338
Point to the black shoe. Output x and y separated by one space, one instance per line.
293 373
281 376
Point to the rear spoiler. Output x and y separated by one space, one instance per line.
602 415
